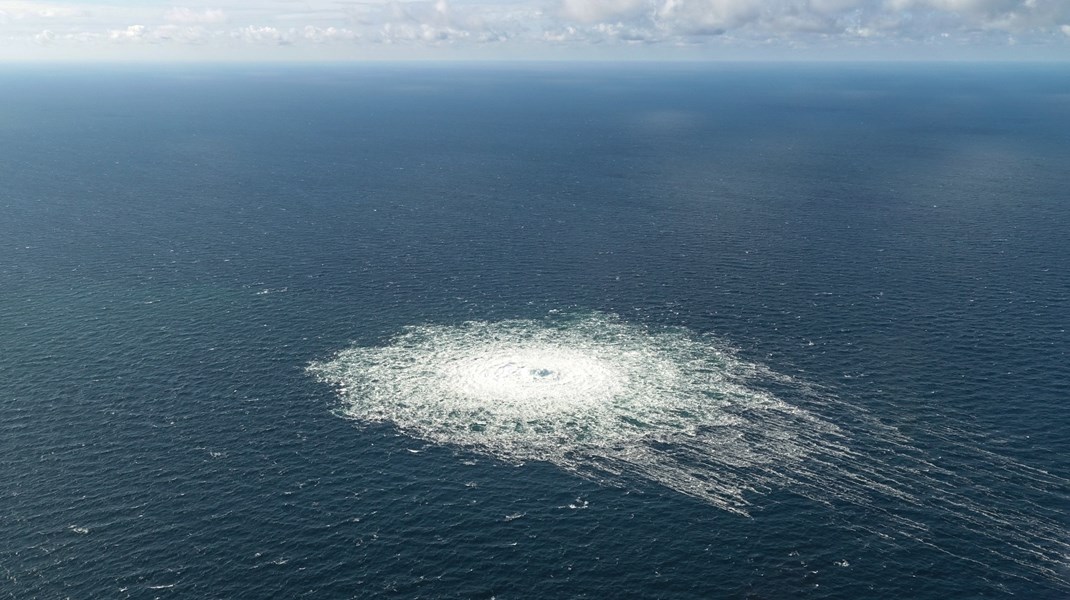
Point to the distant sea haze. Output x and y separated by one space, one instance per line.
548 331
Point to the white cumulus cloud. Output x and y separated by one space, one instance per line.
263 34
132 33
329 34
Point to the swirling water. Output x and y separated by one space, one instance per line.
585 332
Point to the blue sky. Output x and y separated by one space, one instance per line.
280 30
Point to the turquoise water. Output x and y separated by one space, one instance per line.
612 332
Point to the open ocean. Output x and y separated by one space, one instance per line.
541 331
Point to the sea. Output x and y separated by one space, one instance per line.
535 330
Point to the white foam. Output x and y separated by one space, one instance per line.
617 402
592 394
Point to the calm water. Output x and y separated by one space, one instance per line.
886 245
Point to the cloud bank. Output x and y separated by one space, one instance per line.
343 29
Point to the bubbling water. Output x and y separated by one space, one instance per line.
591 394
621 403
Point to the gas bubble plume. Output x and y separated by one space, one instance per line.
619 403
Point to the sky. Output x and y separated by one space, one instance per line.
345 30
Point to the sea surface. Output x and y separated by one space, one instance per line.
536 331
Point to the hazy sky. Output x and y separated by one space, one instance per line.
535 29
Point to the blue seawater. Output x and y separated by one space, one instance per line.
178 244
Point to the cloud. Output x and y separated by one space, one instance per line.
132 33
195 34
601 11
253 34
393 33
44 38
330 34
189 16
1010 16
705 17
694 28
25 10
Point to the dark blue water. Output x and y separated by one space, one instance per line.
177 245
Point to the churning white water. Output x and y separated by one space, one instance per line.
591 395
618 402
